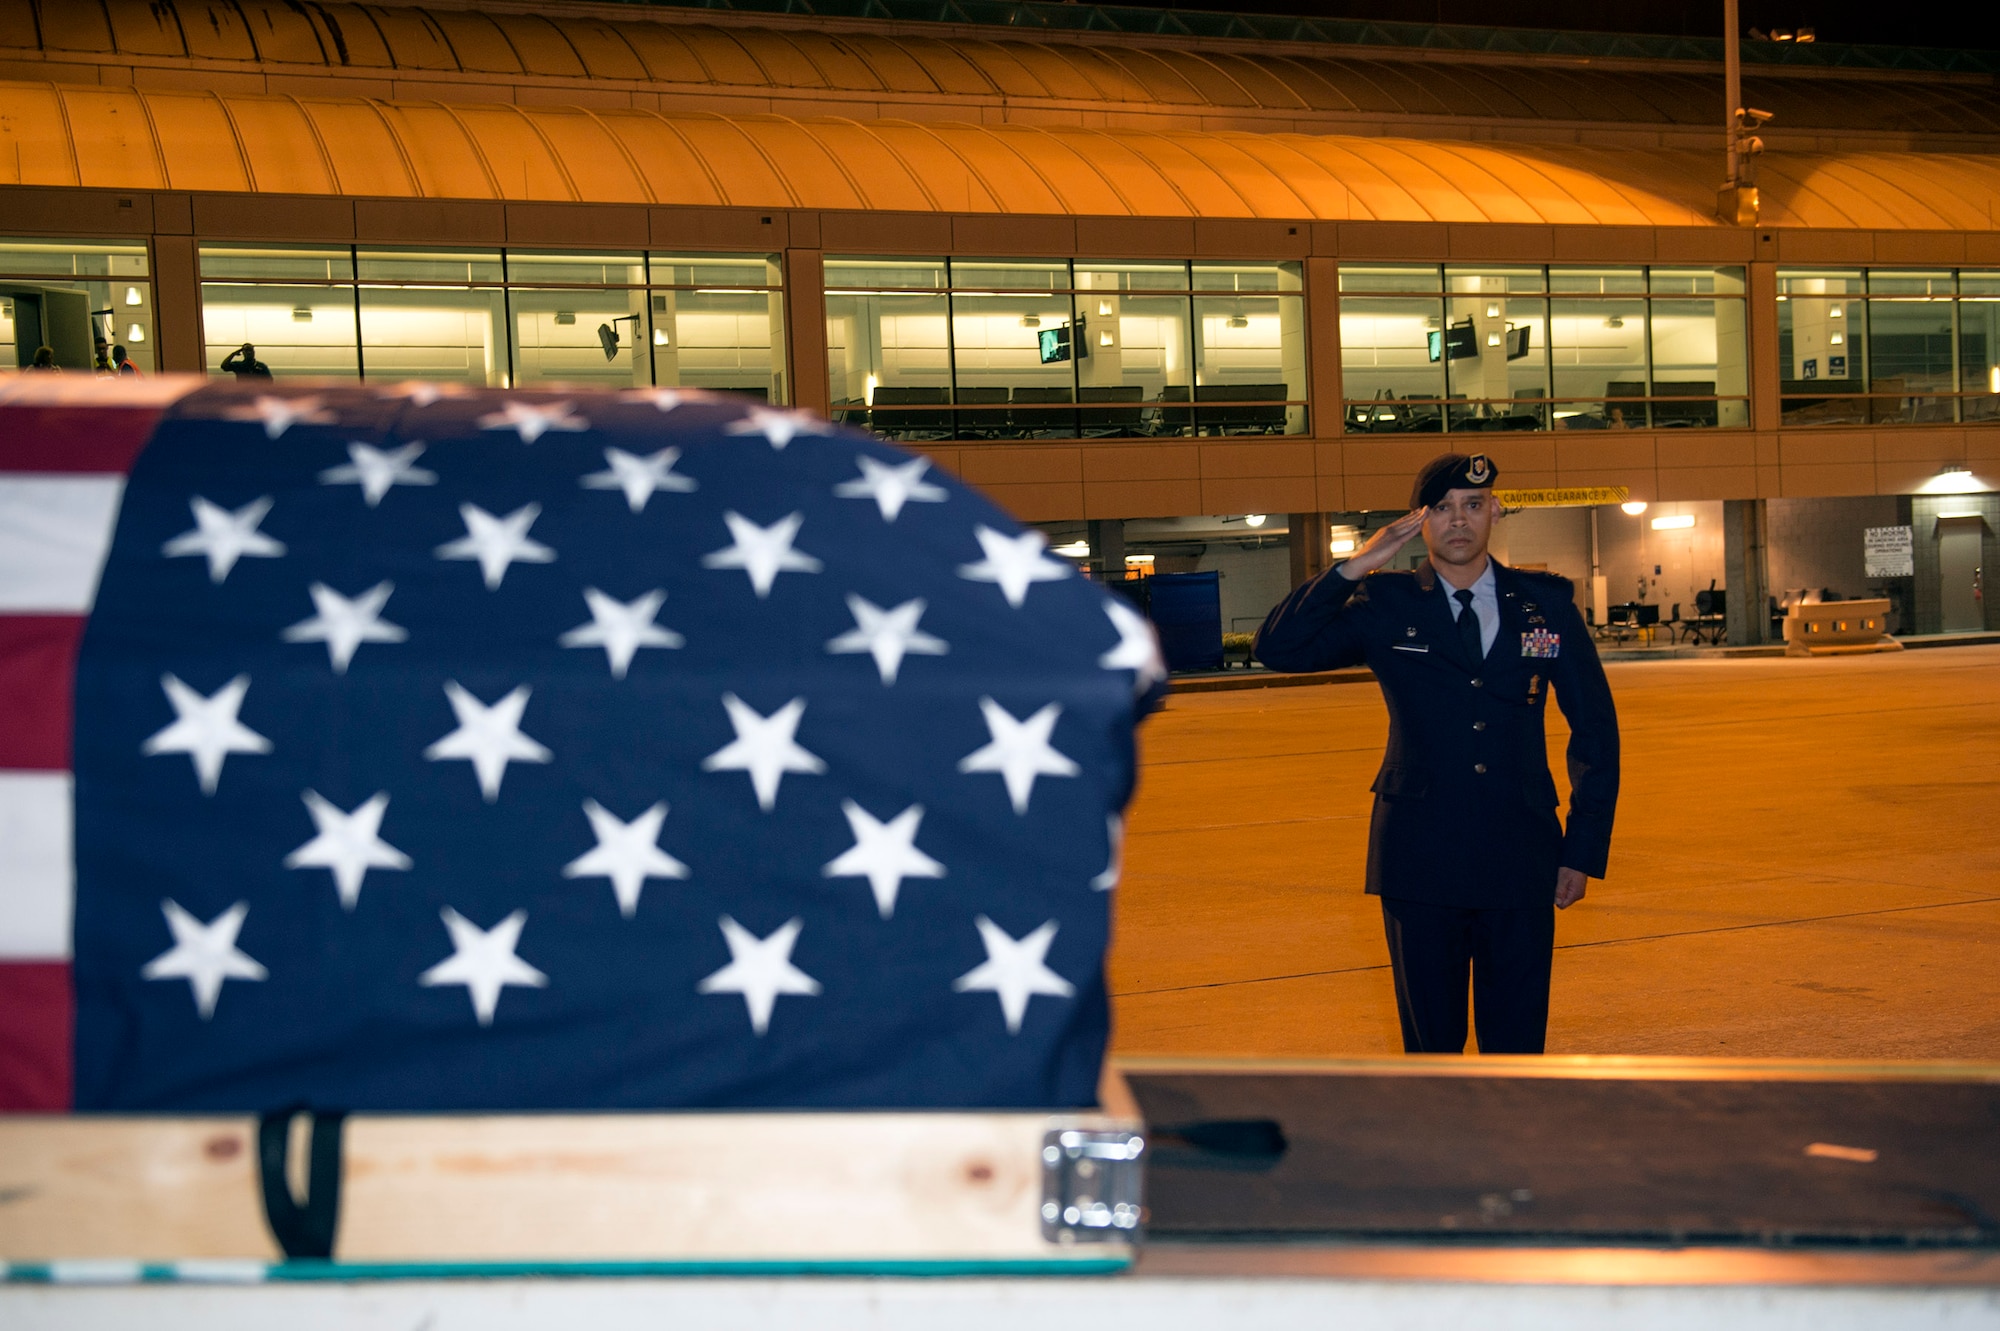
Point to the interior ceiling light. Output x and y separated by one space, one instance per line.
302 315
565 317
1634 507
1341 545
1239 321
1031 321
1254 520
1078 549
1615 321
1138 560
1673 522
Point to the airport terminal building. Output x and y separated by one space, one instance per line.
1191 291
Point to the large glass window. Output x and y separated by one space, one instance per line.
1887 346
82 300
1425 348
1037 348
522 317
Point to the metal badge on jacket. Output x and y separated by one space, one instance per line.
1541 643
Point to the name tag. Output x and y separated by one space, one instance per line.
1409 647
1541 644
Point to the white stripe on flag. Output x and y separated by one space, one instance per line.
54 534
37 875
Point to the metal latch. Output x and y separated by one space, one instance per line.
1092 1185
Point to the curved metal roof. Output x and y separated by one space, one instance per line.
854 62
126 139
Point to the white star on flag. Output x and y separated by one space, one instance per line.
627 853
203 954
883 853
621 629
760 969
531 422
376 470
640 478
422 392
349 844
887 635
666 399
1013 969
1014 562
225 537
764 747
1019 750
280 414
206 729
1114 826
1138 647
483 961
343 625
777 426
762 552
892 486
487 737
497 542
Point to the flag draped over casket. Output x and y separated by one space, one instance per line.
419 747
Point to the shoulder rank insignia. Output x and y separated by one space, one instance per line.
1541 644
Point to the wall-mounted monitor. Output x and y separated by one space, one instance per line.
1058 344
1517 341
1454 343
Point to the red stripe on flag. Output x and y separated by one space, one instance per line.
37 684
66 439
37 1018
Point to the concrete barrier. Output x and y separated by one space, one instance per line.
1838 628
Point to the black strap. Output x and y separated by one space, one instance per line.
1468 628
308 1230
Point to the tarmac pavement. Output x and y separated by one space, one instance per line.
1806 864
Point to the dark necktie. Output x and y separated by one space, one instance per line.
1468 628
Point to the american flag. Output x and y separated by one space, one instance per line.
441 748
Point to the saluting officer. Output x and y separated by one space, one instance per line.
1465 848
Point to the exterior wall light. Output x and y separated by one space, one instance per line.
1633 507
1835 340
132 296
1493 339
137 334
1493 309
1104 339
1104 309
659 337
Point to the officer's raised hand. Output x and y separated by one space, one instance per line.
1384 545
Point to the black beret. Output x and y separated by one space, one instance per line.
1452 471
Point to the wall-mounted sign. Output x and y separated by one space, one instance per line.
1575 496
1889 552
1836 367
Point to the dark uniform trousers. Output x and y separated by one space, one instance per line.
1465 843
1507 952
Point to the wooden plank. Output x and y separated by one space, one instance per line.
555 1188
147 1189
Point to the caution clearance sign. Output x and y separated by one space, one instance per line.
1575 496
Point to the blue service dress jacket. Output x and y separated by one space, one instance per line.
1465 805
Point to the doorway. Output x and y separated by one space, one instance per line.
1960 573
